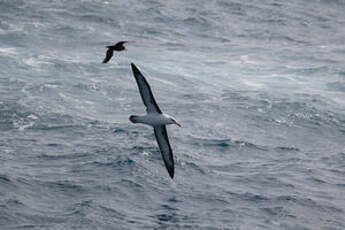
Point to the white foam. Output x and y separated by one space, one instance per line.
7 51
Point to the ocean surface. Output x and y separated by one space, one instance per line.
258 86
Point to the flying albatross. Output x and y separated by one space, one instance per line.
117 47
155 118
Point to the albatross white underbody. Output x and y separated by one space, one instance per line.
155 118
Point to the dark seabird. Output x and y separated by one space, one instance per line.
117 47
156 119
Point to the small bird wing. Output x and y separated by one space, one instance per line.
120 43
164 146
145 91
108 55
120 46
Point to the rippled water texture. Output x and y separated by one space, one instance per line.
259 87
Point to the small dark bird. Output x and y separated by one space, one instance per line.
117 47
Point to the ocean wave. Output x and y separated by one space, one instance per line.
227 143
261 104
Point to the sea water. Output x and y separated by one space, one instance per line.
258 86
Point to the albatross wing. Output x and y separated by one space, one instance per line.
145 91
164 145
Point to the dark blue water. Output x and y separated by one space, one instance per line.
259 87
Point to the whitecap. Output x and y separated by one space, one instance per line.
7 51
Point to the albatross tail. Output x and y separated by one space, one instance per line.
134 119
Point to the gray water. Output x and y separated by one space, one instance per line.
258 86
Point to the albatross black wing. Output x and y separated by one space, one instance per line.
164 145
145 91
108 55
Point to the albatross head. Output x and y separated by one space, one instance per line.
173 121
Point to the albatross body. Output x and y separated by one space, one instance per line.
156 119
153 119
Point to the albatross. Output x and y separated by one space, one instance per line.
117 47
156 119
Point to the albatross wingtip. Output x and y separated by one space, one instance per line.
171 174
133 66
135 69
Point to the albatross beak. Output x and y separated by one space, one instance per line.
178 124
